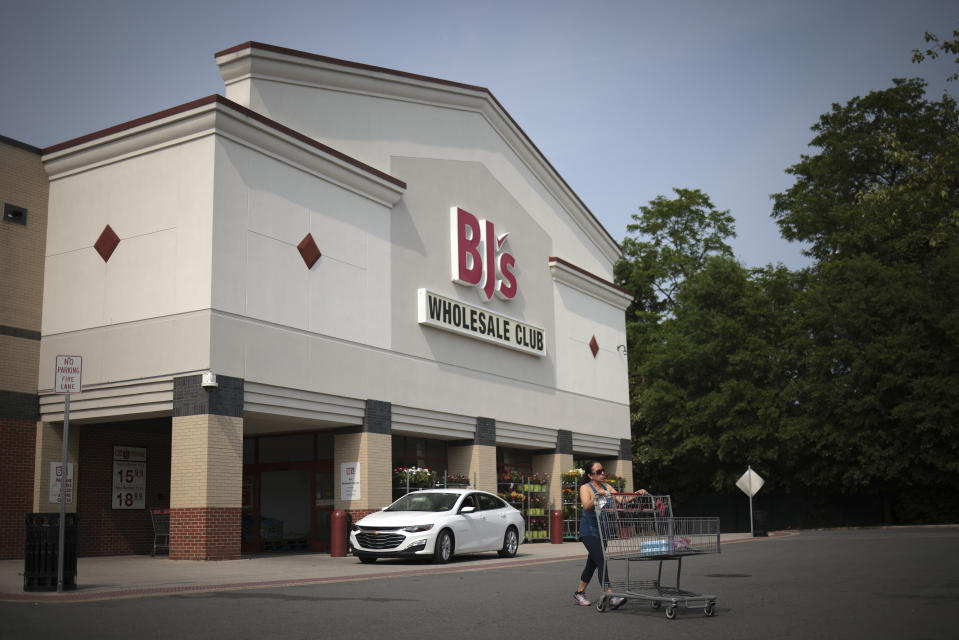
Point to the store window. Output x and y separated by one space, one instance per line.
519 459
420 452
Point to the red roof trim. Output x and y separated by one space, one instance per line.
129 125
218 99
403 74
589 275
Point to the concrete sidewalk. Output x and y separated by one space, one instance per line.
112 577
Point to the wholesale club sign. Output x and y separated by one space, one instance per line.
480 258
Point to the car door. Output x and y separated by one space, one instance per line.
495 520
469 527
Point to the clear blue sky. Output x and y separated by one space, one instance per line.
626 98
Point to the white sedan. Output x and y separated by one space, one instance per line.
438 523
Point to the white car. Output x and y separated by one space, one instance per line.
438 523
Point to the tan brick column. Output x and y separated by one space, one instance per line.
49 448
622 468
474 461
624 465
367 452
206 470
372 453
554 464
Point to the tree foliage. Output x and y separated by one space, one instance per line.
879 206
840 378
677 237
950 47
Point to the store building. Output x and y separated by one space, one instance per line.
282 294
23 195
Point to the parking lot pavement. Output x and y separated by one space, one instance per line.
140 576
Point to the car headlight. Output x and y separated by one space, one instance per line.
417 528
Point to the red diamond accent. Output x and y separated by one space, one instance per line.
309 251
593 346
106 243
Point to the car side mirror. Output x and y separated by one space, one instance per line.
467 509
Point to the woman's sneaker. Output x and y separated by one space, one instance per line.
616 602
580 598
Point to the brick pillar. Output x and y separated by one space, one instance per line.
17 470
476 458
555 464
368 450
206 469
49 448
624 465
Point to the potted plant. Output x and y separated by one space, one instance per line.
416 476
573 477
453 479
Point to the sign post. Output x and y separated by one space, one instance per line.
750 483
68 376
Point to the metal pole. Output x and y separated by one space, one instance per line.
749 470
63 492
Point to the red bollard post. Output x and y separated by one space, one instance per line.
556 527
338 534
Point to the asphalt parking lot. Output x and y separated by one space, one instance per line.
871 583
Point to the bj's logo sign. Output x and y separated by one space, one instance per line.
479 257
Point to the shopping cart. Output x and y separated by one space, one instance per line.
641 528
161 529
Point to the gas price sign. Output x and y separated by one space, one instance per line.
129 478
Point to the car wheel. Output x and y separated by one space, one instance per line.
367 559
510 543
443 550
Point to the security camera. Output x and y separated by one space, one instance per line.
209 380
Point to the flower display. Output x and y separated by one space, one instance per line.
452 478
418 476
539 478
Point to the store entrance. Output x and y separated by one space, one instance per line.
287 492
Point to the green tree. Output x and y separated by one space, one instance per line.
676 237
706 353
949 47
712 401
877 389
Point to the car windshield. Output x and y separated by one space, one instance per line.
424 502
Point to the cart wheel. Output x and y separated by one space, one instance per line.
710 608
670 612
655 604
603 604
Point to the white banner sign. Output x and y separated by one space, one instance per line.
750 482
56 478
350 481
129 484
435 310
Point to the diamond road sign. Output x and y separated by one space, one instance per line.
750 483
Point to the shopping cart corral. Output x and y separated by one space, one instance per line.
638 528
161 529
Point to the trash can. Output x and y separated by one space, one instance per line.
759 524
43 543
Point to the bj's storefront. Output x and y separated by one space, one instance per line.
283 294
